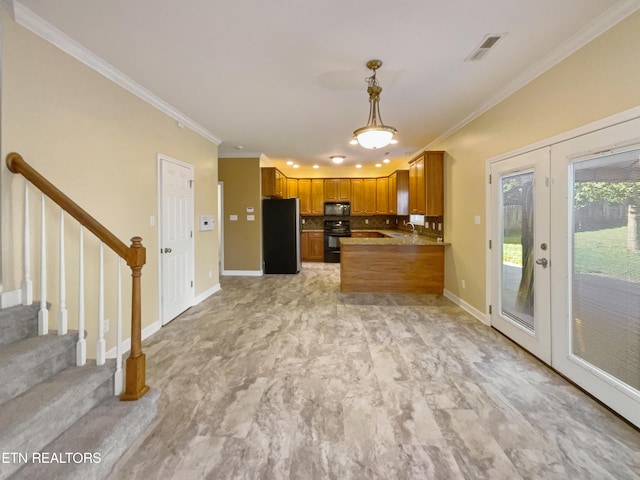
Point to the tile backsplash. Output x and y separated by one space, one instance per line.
433 227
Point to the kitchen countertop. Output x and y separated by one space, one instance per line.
392 237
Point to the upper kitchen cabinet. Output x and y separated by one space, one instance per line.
317 196
304 193
337 189
311 194
382 195
274 183
426 184
292 187
399 192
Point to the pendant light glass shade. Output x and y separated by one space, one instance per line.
374 135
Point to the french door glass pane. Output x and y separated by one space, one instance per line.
517 248
606 264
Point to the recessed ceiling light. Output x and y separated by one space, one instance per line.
289 162
239 147
337 158
316 166
296 166
358 166
386 160
378 165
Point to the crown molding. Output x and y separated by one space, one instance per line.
585 35
40 27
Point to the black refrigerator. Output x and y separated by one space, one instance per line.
281 235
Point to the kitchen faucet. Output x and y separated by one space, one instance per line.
413 228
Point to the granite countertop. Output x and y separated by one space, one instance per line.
393 237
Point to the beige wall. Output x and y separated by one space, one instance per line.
599 80
242 238
98 143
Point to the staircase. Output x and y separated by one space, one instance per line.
59 420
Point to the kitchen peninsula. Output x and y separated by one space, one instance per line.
395 263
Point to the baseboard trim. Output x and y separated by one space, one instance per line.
206 294
243 273
11 299
467 307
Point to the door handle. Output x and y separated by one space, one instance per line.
167 250
542 261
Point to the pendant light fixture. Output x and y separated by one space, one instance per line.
374 135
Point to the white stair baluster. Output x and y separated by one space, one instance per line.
118 387
43 313
101 346
62 313
81 346
27 284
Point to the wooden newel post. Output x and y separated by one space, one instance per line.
135 384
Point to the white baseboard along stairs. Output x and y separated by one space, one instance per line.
58 420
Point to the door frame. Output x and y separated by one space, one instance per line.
160 159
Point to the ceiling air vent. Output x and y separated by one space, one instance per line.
487 42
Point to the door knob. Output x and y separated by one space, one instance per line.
542 261
167 250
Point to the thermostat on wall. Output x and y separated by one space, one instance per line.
206 223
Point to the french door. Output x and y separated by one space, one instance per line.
520 305
596 301
565 259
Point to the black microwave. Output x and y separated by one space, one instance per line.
337 209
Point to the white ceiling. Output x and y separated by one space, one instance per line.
285 78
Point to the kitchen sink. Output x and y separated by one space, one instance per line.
397 235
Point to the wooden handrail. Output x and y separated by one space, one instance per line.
135 256
16 164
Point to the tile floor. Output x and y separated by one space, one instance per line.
284 377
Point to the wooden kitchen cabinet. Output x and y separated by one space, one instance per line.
382 195
399 192
292 187
274 183
311 194
312 246
370 195
317 196
357 196
304 193
337 189
363 196
426 184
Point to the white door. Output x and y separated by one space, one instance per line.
520 303
176 237
596 275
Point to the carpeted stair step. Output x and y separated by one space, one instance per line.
34 419
92 446
17 323
32 360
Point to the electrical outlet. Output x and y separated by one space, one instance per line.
366 221
210 274
439 227
387 221
464 284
